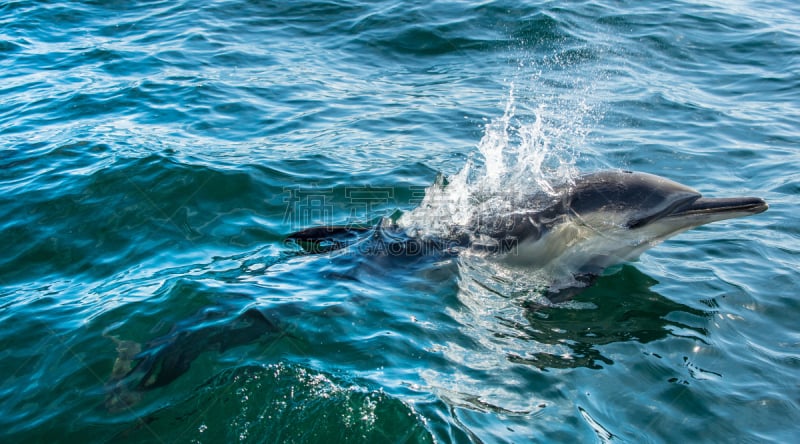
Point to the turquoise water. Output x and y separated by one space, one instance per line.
155 155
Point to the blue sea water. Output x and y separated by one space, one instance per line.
155 155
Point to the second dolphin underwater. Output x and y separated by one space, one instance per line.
602 219
599 220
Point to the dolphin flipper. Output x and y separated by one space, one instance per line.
582 282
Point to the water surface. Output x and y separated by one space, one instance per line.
155 155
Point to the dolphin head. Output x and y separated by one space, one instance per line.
609 217
648 205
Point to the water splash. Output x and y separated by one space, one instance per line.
518 156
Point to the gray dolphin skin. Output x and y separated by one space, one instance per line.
600 219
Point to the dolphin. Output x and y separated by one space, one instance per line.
599 220
581 228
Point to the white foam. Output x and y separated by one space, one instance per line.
518 155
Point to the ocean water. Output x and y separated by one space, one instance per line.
154 156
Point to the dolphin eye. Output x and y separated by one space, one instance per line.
638 223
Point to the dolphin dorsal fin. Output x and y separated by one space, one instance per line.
329 238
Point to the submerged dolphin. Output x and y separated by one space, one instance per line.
599 220
142 367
